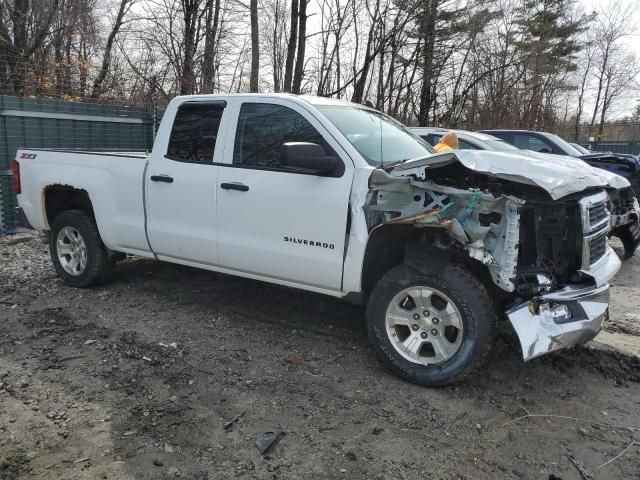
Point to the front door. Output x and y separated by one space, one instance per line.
181 185
274 222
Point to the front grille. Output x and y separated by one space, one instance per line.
595 228
597 213
597 247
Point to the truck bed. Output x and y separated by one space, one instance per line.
113 181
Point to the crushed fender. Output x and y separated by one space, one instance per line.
485 225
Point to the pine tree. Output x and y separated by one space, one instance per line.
548 45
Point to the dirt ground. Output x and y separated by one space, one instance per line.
173 372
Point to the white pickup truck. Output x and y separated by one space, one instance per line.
339 199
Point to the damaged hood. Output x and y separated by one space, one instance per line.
613 179
559 176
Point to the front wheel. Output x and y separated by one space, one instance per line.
430 329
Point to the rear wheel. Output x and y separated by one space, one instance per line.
77 251
430 329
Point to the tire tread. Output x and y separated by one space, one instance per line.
402 275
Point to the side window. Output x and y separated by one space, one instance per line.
529 142
503 136
434 139
464 145
263 128
194 132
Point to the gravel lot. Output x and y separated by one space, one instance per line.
173 372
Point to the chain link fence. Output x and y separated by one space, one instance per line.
61 124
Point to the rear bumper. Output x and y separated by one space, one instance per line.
567 317
21 219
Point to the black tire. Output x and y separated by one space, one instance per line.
98 267
472 301
629 235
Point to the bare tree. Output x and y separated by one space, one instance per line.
298 71
212 20
255 47
612 26
125 6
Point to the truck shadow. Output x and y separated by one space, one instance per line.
246 299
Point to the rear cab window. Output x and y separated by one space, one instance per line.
194 132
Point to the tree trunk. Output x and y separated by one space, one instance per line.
209 58
291 47
298 72
187 77
429 33
106 58
19 20
255 47
277 66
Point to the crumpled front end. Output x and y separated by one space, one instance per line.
485 226
550 257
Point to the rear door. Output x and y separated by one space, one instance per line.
274 222
181 184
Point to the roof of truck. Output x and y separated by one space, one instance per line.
311 99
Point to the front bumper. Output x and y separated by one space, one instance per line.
542 324
631 215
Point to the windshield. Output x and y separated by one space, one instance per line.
564 145
377 137
500 145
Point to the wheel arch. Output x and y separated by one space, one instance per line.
60 198
392 244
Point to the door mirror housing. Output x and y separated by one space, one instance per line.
308 157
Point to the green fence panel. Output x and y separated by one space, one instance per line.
50 123
632 147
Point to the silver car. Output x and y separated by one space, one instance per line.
467 140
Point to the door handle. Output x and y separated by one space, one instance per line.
162 178
235 186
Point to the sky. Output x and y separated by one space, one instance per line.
624 106
634 7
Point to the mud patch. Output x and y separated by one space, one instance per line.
626 326
610 363
13 464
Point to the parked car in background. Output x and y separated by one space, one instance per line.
625 211
339 199
467 140
580 148
586 151
625 165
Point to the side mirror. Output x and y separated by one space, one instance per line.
308 158
545 150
